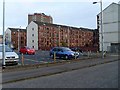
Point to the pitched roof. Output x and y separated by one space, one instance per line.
16 29
109 6
63 26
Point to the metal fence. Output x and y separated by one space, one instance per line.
113 49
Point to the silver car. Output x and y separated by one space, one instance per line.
10 56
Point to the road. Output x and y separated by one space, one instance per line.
99 76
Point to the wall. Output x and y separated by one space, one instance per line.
110 26
32 35
8 35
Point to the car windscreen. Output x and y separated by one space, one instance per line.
28 48
7 49
66 49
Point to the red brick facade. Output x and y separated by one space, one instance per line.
50 35
14 37
40 17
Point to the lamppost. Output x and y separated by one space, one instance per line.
59 35
68 36
3 62
101 26
18 40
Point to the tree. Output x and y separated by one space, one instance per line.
64 44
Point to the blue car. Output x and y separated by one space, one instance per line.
63 52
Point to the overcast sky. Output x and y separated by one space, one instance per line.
78 13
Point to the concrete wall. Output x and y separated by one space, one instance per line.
32 35
110 26
119 22
8 35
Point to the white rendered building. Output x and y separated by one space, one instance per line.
111 28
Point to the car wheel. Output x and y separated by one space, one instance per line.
16 63
26 53
66 57
52 56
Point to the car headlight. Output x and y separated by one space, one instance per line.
72 54
76 53
28 50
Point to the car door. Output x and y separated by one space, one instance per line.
24 50
60 52
57 52
54 51
21 50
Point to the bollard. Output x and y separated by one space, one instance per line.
54 57
104 54
75 55
88 54
97 53
47 64
22 59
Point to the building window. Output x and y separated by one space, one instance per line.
32 46
22 42
57 35
47 28
33 29
47 42
33 35
22 38
33 41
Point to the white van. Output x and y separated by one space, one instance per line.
10 56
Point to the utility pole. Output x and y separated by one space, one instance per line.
68 37
18 40
102 42
3 55
59 34
102 28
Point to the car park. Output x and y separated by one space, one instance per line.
27 50
63 52
11 57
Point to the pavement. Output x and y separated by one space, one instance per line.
29 72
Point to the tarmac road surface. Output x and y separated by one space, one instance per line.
99 76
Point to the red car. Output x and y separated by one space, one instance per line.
27 50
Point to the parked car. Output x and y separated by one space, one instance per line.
63 52
10 56
76 49
27 50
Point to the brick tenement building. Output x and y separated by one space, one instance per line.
40 17
44 36
11 36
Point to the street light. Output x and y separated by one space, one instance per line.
68 34
59 35
101 26
18 40
3 62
